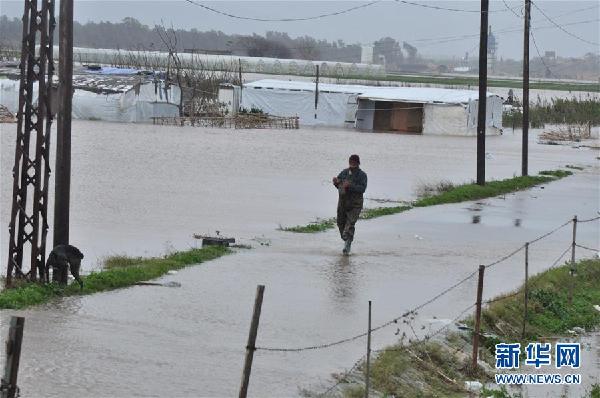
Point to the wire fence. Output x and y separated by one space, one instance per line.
408 316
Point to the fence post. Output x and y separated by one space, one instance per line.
251 346
8 384
477 318
573 244
368 375
526 288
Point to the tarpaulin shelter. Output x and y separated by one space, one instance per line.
402 109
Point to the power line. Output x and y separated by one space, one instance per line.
562 28
447 8
540 55
331 14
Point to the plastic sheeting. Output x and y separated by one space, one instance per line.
137 105
446 111
331 110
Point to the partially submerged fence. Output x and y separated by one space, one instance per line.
407 316
235 122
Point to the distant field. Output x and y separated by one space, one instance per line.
509 83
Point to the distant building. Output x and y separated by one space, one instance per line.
491 50
366 54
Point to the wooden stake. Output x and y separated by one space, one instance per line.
251 346
8 386
477 318
526 289
368 375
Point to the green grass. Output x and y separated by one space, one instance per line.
556 173
466 192
329 223
442 193
120 272
558 302
570 166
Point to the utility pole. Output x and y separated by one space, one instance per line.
525 145
241 81
63 137
317 91
481 106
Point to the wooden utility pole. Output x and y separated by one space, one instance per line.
481 105
62 171
477 319
241 81
525 144
251 346
526 303
8 385
317 91
368 374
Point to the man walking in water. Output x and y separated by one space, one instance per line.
351 184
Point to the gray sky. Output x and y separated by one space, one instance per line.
403 22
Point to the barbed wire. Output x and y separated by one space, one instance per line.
561 256
502 298
431 335
386 324
550 233
424 304
342 378
505 257
587 248
589 219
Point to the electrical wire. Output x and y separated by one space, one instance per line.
330 14
561 27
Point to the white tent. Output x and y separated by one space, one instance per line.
407 109
136 104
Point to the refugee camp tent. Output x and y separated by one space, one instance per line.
402 109
124 103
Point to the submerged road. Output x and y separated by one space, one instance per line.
189 341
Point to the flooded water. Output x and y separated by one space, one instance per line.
144 190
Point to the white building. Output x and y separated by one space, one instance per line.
402 109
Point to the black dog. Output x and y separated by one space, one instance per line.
61 257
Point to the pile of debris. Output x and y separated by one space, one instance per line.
6 116
563 134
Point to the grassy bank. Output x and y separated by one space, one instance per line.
439 367
444 193
324 224
120 271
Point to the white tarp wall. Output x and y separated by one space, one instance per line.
458 119
331 110
138 105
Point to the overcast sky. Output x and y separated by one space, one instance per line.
401 21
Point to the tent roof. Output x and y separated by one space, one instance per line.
409 94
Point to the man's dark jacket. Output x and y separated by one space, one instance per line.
353 196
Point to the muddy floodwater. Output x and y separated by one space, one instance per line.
144 190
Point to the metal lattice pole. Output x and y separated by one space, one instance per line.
28 224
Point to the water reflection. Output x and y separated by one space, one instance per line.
343 280
476 219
